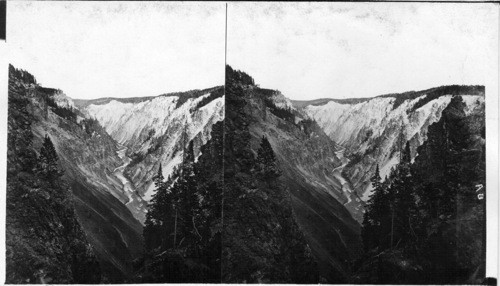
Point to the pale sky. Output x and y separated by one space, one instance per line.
346 50
118 49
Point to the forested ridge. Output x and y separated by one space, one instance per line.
425 222
428 95
44 240
183 226
262 242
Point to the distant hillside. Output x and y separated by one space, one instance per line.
183 96
431 93
323 101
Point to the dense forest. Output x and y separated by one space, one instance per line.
425 222
183 226
262 242
44 240
195 232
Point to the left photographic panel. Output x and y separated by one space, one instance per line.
114 142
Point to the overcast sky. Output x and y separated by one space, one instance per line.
345 50
118 49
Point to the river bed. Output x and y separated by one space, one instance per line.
135 203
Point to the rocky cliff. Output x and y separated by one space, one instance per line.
88 156
438 206
151 131
374 130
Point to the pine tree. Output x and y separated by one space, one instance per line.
48 161
267 160
158 179
391 211
376 213
375 179
405 197
187 200
156 225
160 219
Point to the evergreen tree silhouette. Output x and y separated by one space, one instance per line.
48 161
158 179
188 198
377 213
267 160
156 231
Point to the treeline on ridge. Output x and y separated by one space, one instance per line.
424 223
44 240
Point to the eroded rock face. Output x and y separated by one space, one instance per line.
153 131
448 176
88 156
373 130
110 175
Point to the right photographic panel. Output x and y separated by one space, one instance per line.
356 143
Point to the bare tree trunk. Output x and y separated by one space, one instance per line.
411 228
194 226
175 229
392 224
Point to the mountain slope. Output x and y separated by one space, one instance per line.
110 174
153 131
307 159
371 130
438 206
44 239
88 155
261 240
